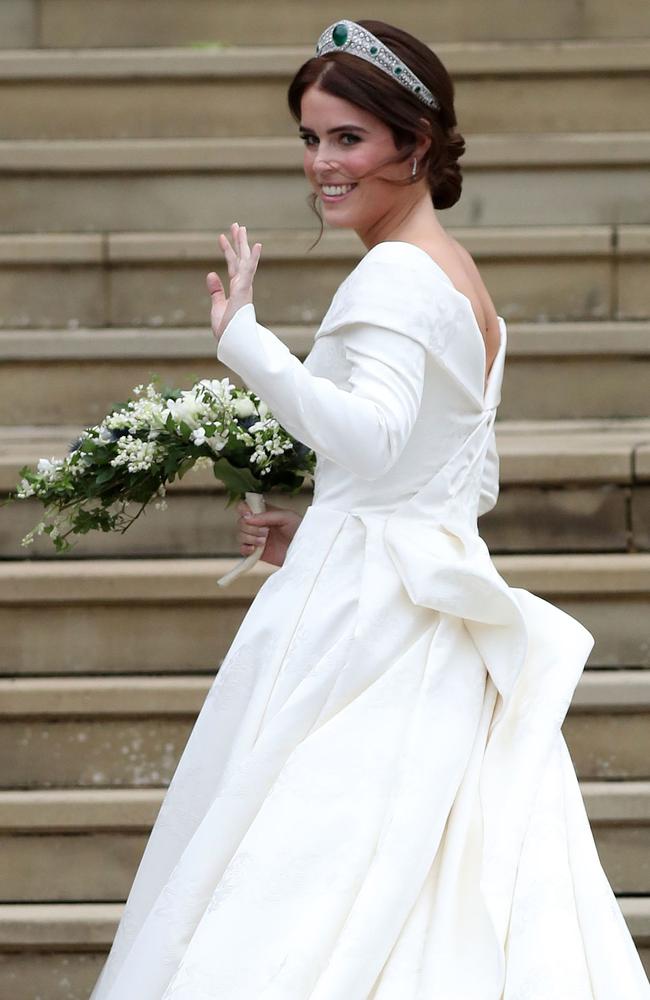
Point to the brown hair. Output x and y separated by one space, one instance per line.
356 80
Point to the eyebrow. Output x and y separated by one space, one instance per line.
339 128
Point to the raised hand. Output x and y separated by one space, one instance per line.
242 265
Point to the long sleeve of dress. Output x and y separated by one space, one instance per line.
363 429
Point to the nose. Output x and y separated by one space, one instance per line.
323 166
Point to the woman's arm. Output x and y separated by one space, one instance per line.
364 429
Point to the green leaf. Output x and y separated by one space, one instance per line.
185 466
234 479
105 475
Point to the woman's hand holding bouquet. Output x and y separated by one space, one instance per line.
273 530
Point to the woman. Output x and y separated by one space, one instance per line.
376 800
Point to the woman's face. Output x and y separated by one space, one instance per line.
342 142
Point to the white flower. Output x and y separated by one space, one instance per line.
198 436
105 434
187 409
263 409
47 467
221 388
138 456
216 442
25 489
243 406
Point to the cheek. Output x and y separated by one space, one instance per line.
367 161
360 161
354 161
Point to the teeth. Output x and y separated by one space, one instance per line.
341 189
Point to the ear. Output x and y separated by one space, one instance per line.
423 141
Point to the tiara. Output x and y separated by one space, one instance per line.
348 36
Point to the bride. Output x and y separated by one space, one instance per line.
376 801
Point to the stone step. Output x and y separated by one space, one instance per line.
111 185
565 485
90 23
55 950
169 615
73 845
130 731
577 369
513 86
157 280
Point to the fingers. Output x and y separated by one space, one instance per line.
249 535
230 254
253 535
241 250
213 282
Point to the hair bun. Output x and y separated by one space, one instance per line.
448 189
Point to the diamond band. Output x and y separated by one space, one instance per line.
348 36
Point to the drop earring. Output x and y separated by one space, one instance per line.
414 167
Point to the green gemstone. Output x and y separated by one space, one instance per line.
340 34
398 69
373 50
417 90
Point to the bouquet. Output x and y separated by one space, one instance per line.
114 470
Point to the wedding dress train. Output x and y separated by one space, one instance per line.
376 801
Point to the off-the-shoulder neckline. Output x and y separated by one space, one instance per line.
477 329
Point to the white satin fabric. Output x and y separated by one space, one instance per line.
376 801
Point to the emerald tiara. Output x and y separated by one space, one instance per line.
348 36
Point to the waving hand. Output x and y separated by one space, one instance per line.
242 264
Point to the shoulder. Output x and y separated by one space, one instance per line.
395 286
399 256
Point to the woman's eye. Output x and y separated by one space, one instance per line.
344 135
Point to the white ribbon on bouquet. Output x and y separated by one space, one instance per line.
258 506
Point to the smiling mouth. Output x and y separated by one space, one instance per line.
342 191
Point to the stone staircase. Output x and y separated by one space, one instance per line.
132 134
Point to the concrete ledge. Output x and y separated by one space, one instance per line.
87 926
73 809
468 59
121 581
135 809
597 574
127 696
159 22
525 339
530 452
255 153
100 697
613 690
117 581
292 245
58 926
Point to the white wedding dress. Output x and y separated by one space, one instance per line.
376 801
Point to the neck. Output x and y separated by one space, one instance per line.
416 222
